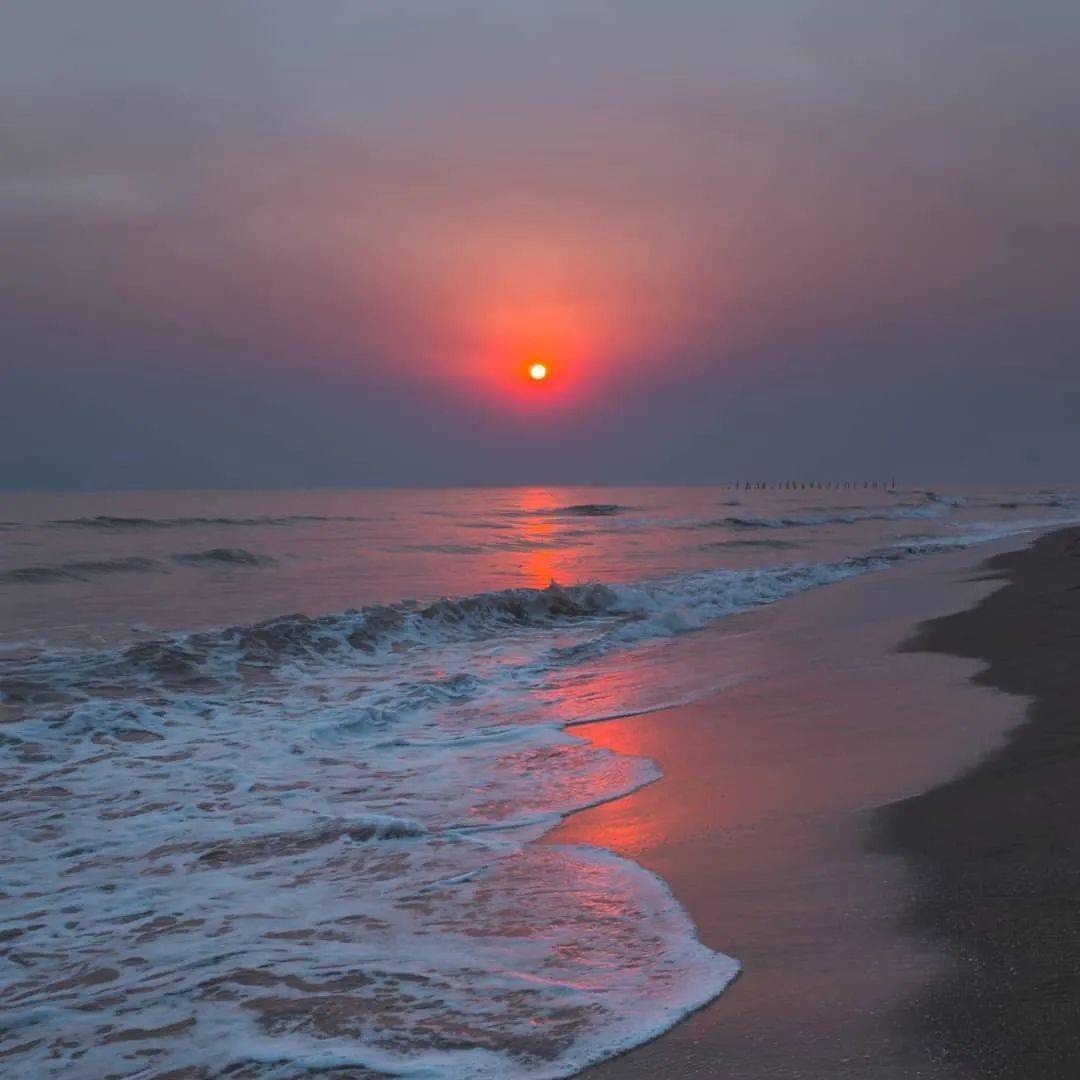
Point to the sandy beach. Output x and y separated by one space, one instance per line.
996 852
535 540
897 943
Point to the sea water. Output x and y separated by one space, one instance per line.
274 763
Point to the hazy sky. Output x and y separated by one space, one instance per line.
271 243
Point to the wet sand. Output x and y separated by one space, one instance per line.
996 852
761 822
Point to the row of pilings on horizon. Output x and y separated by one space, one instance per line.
813 485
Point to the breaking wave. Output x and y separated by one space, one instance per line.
598 617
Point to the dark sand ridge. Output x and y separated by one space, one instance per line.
759 825
997 851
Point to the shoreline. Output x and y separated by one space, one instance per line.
996 851
760 824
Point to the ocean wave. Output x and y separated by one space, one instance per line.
1053 503
444 549
797 521
590 509
81 571
756 543
499 542
250 864
602 615
112 523
221 557
381 627
954 501
598 616
92 569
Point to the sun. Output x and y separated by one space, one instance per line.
538 372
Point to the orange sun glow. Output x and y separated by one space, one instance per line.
538 372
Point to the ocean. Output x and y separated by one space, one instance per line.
275 764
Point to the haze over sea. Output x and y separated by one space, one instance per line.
276 762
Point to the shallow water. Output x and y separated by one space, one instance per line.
274 762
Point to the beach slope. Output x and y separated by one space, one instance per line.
996 852
761 821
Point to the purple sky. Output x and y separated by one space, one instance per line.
269 243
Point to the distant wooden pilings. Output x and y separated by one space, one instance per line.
813 485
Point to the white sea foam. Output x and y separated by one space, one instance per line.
306 843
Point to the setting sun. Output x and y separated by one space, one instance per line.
538 372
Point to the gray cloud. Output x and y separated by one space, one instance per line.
804 214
